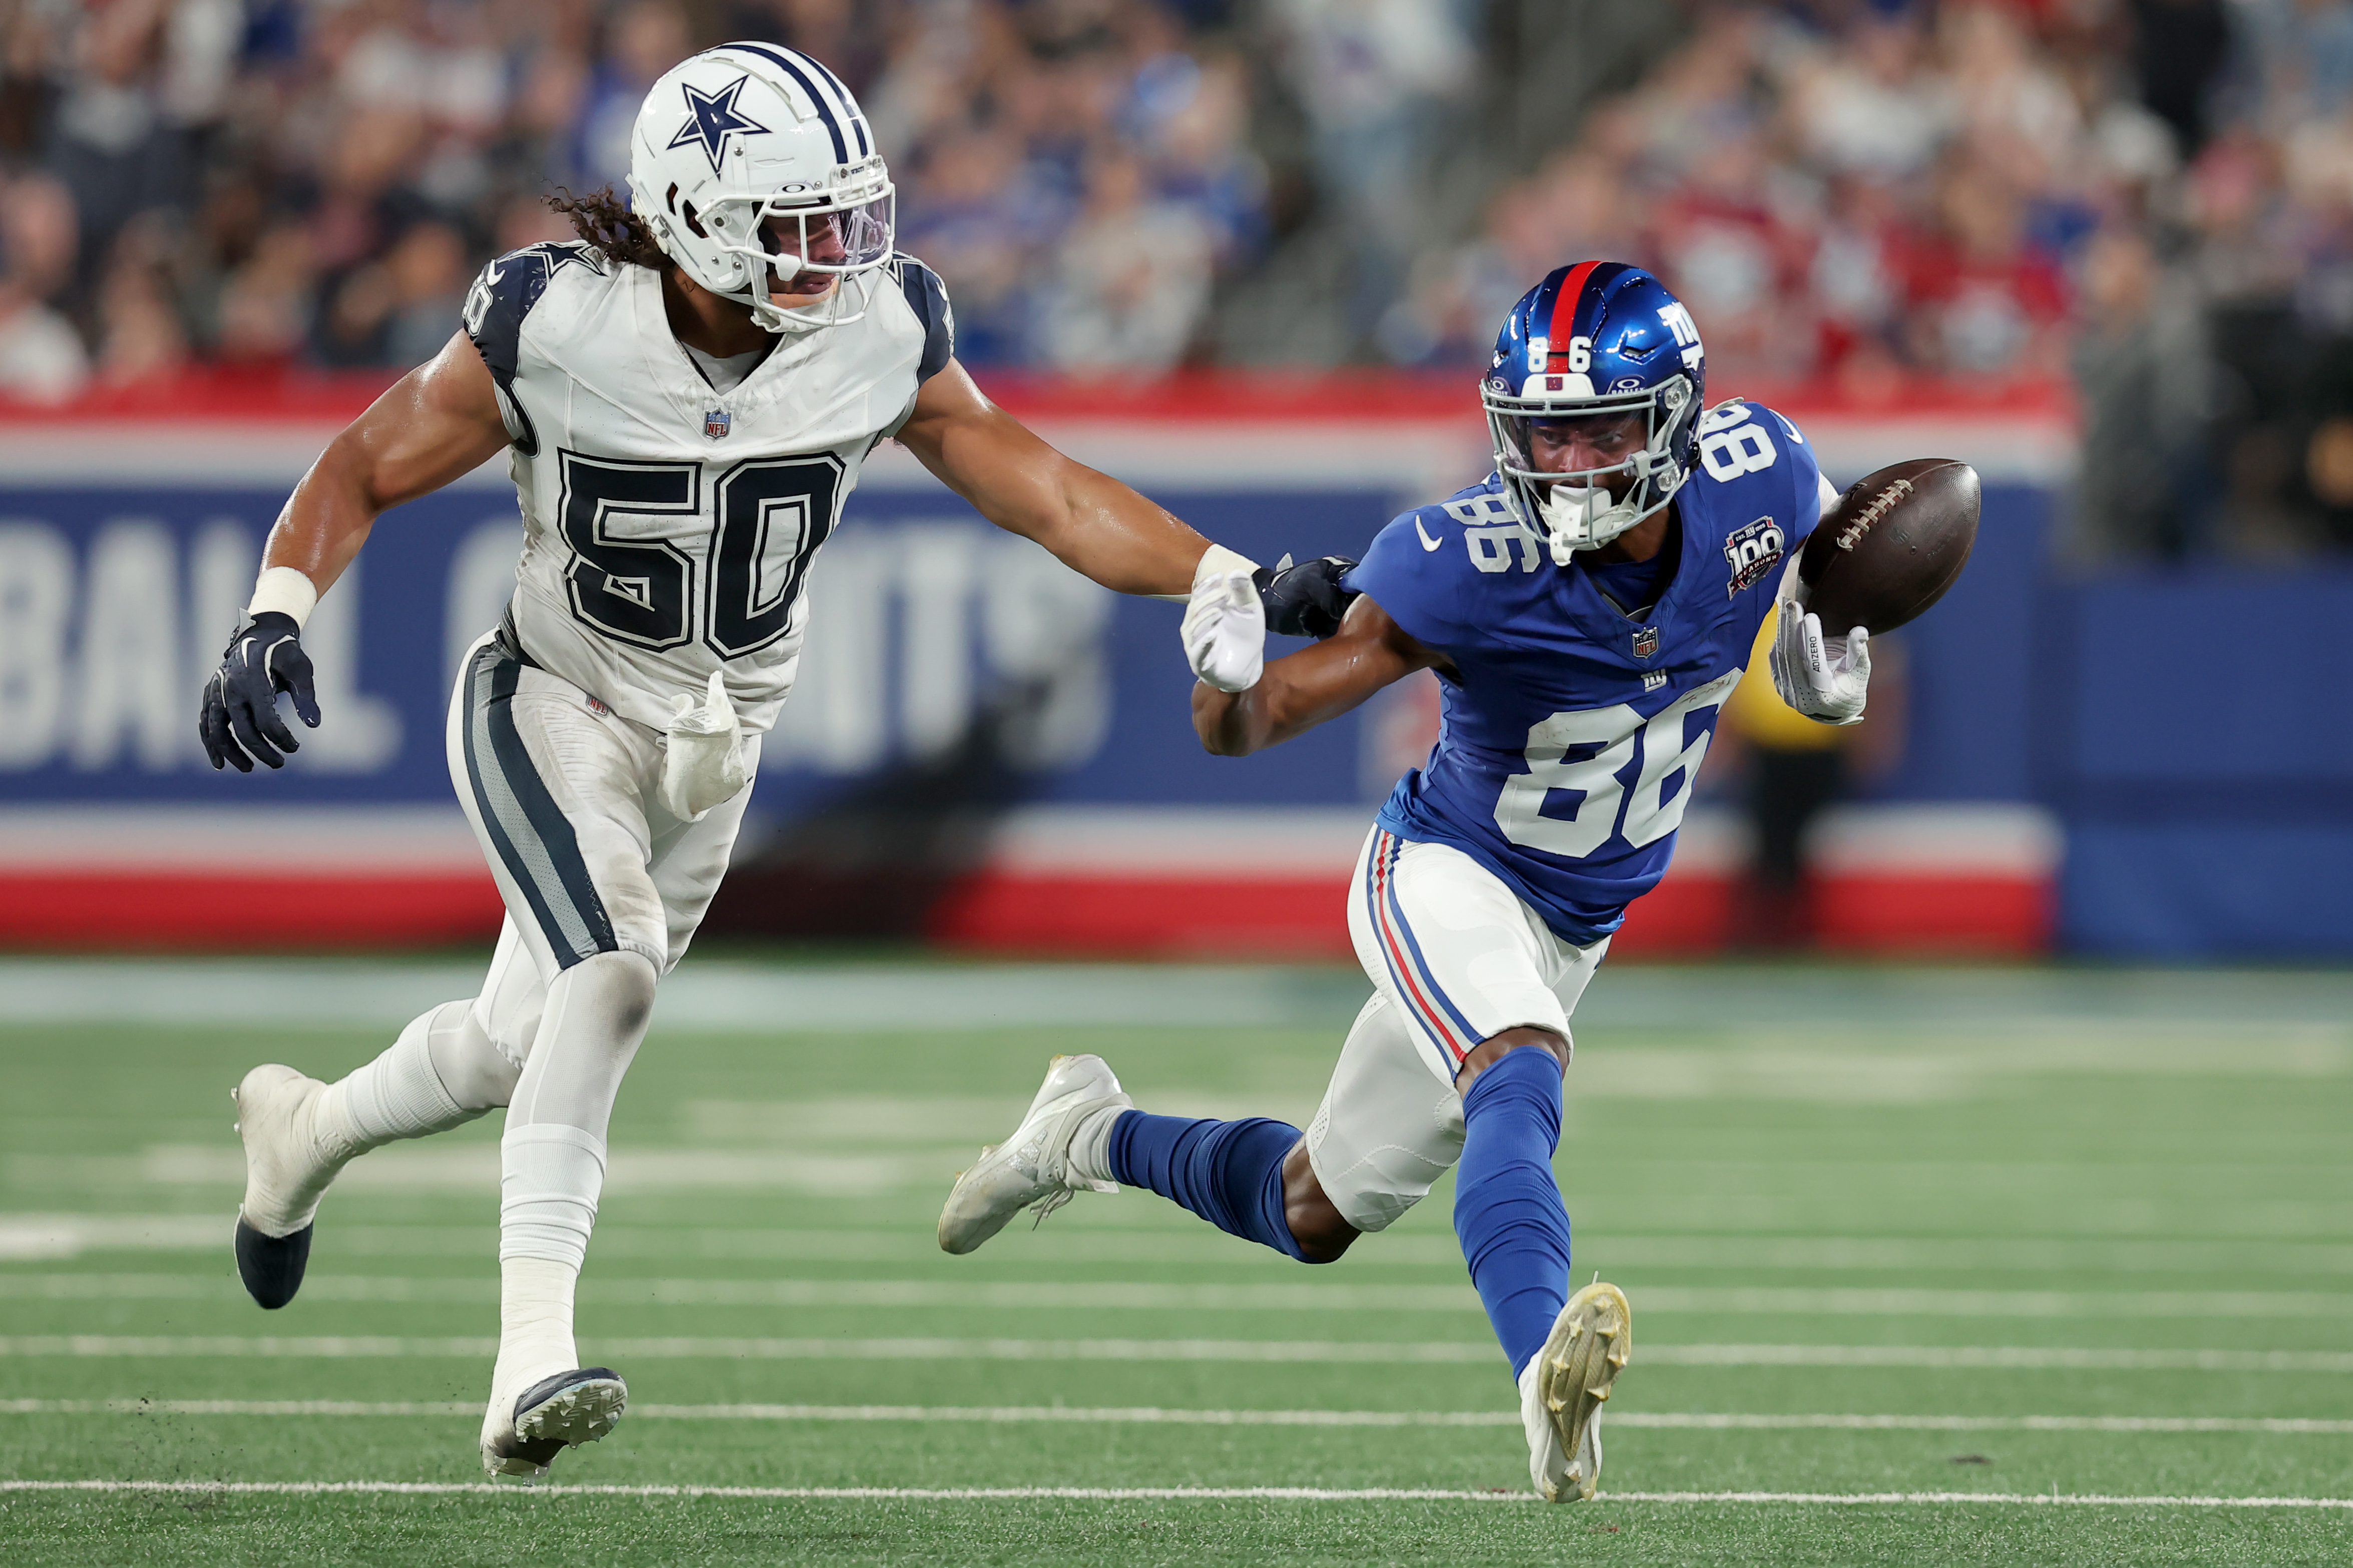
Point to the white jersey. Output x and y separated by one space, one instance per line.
668 528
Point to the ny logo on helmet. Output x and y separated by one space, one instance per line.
1686 331
711 118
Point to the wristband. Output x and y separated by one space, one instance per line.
287 590
1216 561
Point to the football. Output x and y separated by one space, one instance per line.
1892 545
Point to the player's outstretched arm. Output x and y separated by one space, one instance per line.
440 421
1092 523
1303 689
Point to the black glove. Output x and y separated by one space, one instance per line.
1305 600
239 720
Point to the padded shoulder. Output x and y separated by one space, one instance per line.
496 307
1752 461
1416 567
1803 478
928 298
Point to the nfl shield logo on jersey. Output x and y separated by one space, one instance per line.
714 424
1752 553
1646 642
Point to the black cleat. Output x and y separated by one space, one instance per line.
271 1266
286 1172
553 1414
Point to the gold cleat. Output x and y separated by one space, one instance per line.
1589 1345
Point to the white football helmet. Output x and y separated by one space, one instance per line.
757 173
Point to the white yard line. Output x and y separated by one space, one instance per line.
1383 1351
32 1236
1150 1494
1156 1415
1124 1295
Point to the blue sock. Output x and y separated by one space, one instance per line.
1228 1172
1507 1208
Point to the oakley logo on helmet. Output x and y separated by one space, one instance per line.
711 118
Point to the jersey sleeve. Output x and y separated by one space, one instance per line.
495 309
1412 581
928 298
1810 490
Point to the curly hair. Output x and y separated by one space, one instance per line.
604 221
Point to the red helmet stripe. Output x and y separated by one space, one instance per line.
1563 306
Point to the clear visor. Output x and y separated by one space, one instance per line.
805 246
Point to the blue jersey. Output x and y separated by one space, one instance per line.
1573 733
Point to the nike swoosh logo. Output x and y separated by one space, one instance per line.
492 273
1427 542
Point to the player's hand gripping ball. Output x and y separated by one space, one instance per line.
239 720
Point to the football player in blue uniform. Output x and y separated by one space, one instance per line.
1588 608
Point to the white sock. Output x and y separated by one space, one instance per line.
534 1323
1090 1144
398 1095
552 1161
551 1179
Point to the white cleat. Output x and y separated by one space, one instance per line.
523 1434
287 1165
1562 1389
1033 1166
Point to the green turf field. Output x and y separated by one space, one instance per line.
2032 1239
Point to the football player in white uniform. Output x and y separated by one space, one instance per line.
686 396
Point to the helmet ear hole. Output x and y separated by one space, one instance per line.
670 196
687 212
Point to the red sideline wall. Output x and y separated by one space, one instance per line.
1912 879
1962 913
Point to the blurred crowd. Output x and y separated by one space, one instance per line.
260 181
2152 197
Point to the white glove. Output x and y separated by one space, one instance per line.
1822 677
704 766
1225 624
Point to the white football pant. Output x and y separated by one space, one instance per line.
1455 958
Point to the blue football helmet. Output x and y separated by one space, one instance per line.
1597 339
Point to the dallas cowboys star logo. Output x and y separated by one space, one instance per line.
713 117
555 253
